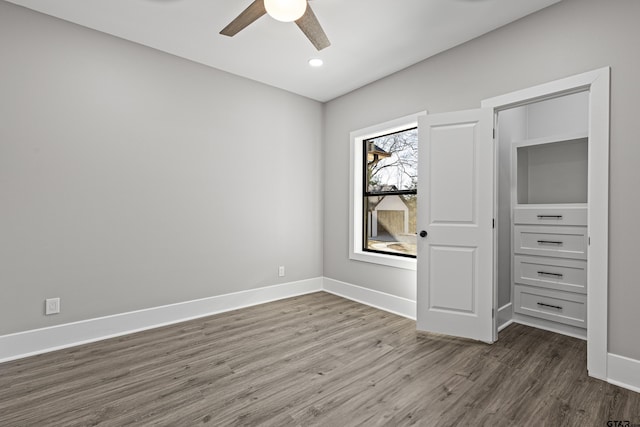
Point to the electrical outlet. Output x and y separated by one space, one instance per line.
52 306
281 271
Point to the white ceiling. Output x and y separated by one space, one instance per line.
370 39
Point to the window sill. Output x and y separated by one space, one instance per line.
384 259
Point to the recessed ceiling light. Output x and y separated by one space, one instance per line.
316 62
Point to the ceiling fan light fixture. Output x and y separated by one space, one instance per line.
285 10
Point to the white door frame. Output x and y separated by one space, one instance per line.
597 83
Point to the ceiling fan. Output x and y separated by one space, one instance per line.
282 10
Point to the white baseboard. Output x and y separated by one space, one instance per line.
504 325
505 315
36 341
624 372
387 302
547 325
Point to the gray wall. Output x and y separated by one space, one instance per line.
571 37
130 178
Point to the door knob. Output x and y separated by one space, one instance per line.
423 233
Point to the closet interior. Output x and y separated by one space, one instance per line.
542 214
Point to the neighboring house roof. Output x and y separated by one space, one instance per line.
373 204
382 187
375 153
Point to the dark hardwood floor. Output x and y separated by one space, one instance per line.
312 360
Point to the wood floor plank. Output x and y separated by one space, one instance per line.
311 360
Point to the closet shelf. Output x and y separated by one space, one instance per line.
551 139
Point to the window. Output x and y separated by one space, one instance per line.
384 188
390 178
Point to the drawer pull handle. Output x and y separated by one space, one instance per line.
549 242
544 273
549 216
549 305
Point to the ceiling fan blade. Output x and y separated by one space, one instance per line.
313 30
249 15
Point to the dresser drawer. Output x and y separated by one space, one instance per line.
562 307
565 242
544 215
552 273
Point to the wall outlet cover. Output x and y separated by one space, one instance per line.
52 306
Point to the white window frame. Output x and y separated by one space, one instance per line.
356 215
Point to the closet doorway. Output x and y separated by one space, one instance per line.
515 228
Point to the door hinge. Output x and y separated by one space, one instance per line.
493 224
493 312
494 133
589 242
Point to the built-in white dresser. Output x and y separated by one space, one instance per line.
549 230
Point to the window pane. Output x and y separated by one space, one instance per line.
390 224
392 162
390 219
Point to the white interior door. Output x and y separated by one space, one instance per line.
455 219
